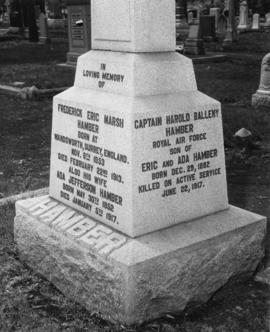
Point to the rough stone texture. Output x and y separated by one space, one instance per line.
261 99
142 278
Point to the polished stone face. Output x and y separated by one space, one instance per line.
131 156
133 25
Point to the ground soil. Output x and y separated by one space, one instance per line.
29 303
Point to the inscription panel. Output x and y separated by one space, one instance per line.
90 165
104 76
138 172
77 30
179 164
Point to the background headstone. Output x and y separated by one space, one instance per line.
79 29
181 21
207 23
216 12
243 16
267 19
255 22
43 29
231 34
33 29
262 95
190 17
194 43
222 23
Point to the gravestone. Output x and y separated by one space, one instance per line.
216 13
221 26
255 22
194 42
231 33
181 21
267 19
79 29
43 29
262 95
243 18
190 17
137 223
207 23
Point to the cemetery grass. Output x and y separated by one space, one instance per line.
29 303
42 71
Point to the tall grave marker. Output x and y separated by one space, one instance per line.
243 16
262 95
137 151
79 29
231 33
255 22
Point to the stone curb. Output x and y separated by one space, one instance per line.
28 194
47 93
31 93
210 58
9 89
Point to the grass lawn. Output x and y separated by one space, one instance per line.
30 303
42 71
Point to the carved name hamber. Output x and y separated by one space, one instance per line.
76 226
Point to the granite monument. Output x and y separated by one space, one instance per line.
137 223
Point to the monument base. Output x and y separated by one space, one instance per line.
261 99
133 280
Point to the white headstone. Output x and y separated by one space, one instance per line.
243 18
262 95
267 19
255 22
215 12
